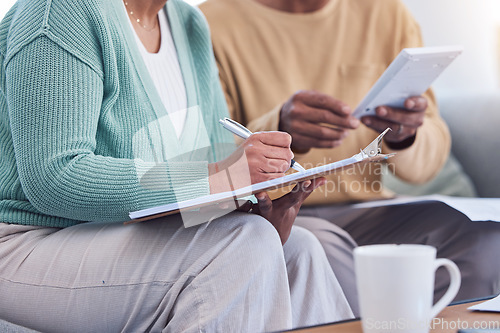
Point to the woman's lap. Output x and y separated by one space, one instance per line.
135 277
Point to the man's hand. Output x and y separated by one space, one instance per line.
316 120
283 211
403 122
263 156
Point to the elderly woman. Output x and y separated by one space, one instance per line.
109 107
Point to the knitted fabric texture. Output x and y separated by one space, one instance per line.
83 133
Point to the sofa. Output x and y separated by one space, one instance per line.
472 169
6 327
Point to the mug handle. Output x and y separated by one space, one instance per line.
452 288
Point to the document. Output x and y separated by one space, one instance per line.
492 305
410 74
372 153
214 199
476 209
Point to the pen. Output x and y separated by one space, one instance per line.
243 132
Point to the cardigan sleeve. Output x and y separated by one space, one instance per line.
223 141
54 102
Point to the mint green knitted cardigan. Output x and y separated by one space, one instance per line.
83 133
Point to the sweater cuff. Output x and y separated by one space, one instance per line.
421 161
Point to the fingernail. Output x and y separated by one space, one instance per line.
307 183
346 109
260 196
367 121
410 104
382 111
354 122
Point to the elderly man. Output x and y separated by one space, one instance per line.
299 66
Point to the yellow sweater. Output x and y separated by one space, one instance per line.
265 55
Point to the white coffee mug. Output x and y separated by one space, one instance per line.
396 287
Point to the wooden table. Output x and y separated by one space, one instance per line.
451 319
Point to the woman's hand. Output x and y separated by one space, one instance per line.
263 156
283 211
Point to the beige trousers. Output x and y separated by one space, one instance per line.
231 275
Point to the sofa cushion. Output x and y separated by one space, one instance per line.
451 180
474 122
7 327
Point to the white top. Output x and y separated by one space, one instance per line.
164 69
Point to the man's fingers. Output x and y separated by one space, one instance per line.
317 182
264 204
294 198
310 114
403 122
322 101
413 119
244 205
308 186
317 131
416 103
379 125
399 132
300 192
306 142
316 120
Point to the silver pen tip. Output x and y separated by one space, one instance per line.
298 167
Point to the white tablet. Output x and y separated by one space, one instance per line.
410 74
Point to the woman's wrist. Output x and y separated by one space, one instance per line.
217 180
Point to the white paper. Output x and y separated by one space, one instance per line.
476 209
492 305
410 74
